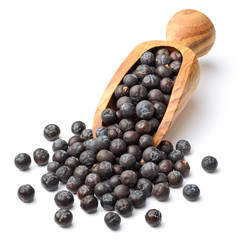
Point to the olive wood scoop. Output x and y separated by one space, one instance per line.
193 34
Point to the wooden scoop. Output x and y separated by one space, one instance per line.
193 34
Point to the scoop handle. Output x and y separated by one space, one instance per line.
192 29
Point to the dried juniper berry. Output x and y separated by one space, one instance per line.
175 155
118 146
153 217
101 188
154 125
102 142
112 220
127 161
164 71
183 146
101 131
161 191
143 126
175 179
78 127
81 171
138 198
108 201
135 150
130 80
183 167
92 179
147 58
41 156
64 199
73 140
84 190
64 173
162 59
149 170
155 95
152 154
209 164
64 217
73 183
105 155
166 85
127 110
175 65
105 170
161 51
89 204
72 162
160 178
121 191
117 128
165 166
76 149
51 132
121 90
59 144
138 93
26 193
151 81
60 156
166 146
87 158
114 181
131 137
50 181
166 98
22 161
145 185
53 166
145 110
191 192
129 178
175 55
122 100
126 124
159 110
112 134
124 207
86 135
142 70
108 116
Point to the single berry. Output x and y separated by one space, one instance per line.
41 156
89 204
112 220
26 193
23 161
175 179
191 192
64 199
63 217
124 207
51 132
183 146
209 164
153 217
78 127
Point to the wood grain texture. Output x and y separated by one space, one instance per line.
192 29
185 84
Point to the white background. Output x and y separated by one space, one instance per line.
56 58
